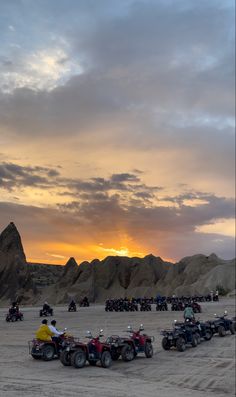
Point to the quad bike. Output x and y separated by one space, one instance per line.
128 348
196 307
14 316
145 306
84 302
72 308
46 312
48 350
77 353
221 325
202 330
161 306
234 322
178 337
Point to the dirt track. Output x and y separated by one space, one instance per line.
207 370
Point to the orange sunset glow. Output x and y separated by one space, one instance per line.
117 131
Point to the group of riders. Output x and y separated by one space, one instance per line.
50 333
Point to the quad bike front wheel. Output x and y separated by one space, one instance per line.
127 353
148 350
106 359
194 341
221 331
208 335
165 343
180 344
232 329
198 337
78 358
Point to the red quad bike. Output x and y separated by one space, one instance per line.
93 351
196 307
48 350
128 348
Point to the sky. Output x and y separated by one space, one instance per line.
117 127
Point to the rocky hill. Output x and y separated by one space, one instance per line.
114 276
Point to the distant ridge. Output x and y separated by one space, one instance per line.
112 277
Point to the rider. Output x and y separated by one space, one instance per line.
44 333
188 312
56 334
72 303
46 306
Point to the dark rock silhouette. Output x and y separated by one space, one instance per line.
112 277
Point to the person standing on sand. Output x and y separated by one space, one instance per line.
44 333
188 313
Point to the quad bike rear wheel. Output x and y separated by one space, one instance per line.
148 350
48 353
221 331
127 353
180 344
78 358
65 358
232 329
106 359
165 343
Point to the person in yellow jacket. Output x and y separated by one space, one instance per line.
44 333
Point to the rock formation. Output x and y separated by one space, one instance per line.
15 279
114 276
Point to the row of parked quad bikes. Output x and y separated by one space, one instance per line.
145 304
72 352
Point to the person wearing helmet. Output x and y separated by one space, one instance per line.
43 332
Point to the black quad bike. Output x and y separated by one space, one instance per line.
46 312
202 330
221 325
72 307
161 306
145 306
181 335
234 322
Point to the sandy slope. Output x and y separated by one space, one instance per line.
207 370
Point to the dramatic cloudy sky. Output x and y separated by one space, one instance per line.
117 127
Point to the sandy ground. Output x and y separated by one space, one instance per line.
207 370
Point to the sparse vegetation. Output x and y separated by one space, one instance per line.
222 291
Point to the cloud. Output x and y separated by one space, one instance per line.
119 87
13 176
171 232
